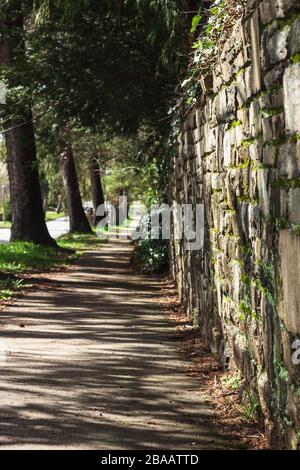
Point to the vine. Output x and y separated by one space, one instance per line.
211 28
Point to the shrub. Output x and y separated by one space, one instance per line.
150 255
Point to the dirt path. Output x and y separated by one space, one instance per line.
91 363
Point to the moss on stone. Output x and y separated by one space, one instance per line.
295 389
295 138
284 183
243 69
231 211
295 59
275 142
282 372
267 92
234 124
283 23
296 229
245 199
270 112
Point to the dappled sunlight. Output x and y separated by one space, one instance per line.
94 365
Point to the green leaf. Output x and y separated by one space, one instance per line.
195 22
197 45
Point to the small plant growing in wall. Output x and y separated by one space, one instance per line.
211 28
233 381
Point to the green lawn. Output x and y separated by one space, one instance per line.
115 228
79 242
5 224
52 215
17 258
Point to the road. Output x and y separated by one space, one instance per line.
56 228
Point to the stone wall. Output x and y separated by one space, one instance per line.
239 155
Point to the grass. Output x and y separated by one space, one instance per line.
19 258
8 286
114 228
5 224
52 215
79 242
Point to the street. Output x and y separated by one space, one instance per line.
56 228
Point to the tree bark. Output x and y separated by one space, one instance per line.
28 223
77 216
96 187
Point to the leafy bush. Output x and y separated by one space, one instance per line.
150 255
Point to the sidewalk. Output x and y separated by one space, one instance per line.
89 362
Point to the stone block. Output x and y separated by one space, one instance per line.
264 392
231 101
267 129
255 151
291 89
255 52
221 105
265 101
257 249
198 117
254 220
293 407
277 100
250 7
209 139
217 82
270 10
229 192
263 190
226 70
269 155
238 135
253 189
227 149
278 126
255 118
274 76
248 81
198 152
217 181
241 354
283 203
289 350
294 37
289 254
294 206
197 134
267 334
241 91
289 160
275 48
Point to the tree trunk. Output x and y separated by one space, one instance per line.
28 223
96 187
78 218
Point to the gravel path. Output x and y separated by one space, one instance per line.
89 361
